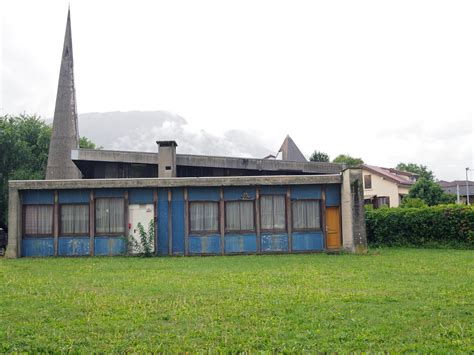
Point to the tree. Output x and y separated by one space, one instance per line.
421 170
319 157
86 143
24 145
430 192
348 160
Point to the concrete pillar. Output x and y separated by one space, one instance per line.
354 237
166 158
14 224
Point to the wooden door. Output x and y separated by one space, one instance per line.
333 228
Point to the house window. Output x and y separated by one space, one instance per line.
239 216
383 201
75 219
368 182
38 220
306 215
109 215
272 212
204 217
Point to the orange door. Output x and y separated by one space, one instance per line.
333 228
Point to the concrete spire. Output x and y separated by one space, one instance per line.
65 134
290 151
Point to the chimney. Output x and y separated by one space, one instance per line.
166 158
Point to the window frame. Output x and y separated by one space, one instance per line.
369 176
37 235
274 230
106 234
204 232
293 228
240 231
60 222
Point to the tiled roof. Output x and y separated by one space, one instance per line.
399 177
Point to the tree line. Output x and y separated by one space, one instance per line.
425 192
24 146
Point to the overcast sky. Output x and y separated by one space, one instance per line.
387 81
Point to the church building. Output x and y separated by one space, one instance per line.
91 201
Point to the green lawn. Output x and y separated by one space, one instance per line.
392 299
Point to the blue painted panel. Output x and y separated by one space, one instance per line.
109 192
240 243
301 192
37 247
177 220
73 196
109 246
274 242
162 215
333 195
272 190
140 196
307 241
204 194
73 246
239 192
34 197
208 244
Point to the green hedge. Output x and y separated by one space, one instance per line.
436 226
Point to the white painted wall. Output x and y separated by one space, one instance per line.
383 187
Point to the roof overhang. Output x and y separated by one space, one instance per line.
175 182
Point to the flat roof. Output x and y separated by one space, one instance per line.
116 156
175 182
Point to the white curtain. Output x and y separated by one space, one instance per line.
211 216
279 212
116 215
246 215
81 222
272 212
306 215
67 219
239 216
75 219
204 216
232 216
109 216
266 212
39 220
102 215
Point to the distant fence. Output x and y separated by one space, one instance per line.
436 226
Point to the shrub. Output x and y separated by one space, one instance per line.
436 226
413 202
143 247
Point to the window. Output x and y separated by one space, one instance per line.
383 201
272 212
204 217
38 220
367 182
75 219
306 215
109 215
239 216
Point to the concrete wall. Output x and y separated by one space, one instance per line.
172 223
353 212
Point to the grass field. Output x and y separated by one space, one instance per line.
391 299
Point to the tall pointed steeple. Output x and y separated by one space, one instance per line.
65 134
290 151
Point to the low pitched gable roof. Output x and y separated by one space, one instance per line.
396 176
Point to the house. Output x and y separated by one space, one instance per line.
92 200
385 186
460 188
